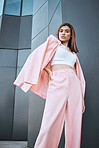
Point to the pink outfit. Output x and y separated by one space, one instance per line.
33 77
63 96
63 103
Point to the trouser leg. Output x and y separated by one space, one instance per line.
54 112
73 115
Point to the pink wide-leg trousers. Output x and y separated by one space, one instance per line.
63 103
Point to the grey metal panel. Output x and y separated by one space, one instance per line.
37 4
20 123
25 32
36 108
0 22
13 144
39 39
7 76
22 56
8 57
52 6
9 34
56 20
62 139
84 18
40 20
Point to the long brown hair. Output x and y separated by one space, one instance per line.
72 42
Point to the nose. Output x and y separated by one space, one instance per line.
63 33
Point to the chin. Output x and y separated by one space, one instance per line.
62 40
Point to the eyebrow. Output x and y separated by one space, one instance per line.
65 29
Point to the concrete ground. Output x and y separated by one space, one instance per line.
13 144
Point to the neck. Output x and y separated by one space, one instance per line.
65 44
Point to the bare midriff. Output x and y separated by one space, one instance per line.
59 66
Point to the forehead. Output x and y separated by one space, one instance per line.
65 27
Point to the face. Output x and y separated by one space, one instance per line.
64 34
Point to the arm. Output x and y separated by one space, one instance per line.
49 72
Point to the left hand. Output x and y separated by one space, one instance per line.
83 105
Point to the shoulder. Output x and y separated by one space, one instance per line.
54 38
75 54
51 36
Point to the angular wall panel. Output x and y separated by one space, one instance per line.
9 32
52 6
22 57
56 20
39 39
0 22
25 32
36 108
20 120
8 57
40 20
37 4
7 76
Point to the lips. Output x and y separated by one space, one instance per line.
63 36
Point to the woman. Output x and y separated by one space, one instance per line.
53 72
64 97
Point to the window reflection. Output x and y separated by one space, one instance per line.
1 6
27 7
12 7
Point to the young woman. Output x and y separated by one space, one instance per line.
53 72
64 101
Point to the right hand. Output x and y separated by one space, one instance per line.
49 75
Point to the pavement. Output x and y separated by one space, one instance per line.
13 144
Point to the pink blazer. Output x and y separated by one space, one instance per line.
33 77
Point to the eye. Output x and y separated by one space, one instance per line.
60 30
67 31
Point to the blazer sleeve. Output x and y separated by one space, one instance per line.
30 71
81 76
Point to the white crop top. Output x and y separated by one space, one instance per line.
63 56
